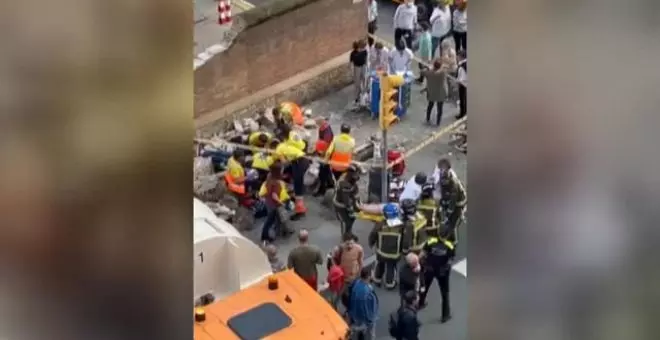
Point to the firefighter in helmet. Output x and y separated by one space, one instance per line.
430 209
414 223
453 200
386 238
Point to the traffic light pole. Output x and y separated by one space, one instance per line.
384 184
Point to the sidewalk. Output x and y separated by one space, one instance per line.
207 31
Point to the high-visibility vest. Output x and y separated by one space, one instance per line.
325 138
283 195
340 152
253 138
233 182
289 153
433 240
292 112
262 161
430 211
418 235
389 242
295 140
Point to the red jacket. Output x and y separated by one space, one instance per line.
325 138
335 279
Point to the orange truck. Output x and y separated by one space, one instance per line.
239 296
280 307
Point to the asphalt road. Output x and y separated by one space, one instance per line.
324 228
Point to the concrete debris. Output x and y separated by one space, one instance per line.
250 124
238 127
307 113
202 166
268 114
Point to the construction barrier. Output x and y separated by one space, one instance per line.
435 136
224 12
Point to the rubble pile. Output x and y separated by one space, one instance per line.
208 184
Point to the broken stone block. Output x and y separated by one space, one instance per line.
307 113
250 124
268 114
238 127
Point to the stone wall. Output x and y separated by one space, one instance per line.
281 39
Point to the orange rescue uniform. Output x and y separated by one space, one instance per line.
340 152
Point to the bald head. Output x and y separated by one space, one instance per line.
412 259
303 236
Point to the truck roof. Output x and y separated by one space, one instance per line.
292 311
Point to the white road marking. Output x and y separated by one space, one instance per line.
461 267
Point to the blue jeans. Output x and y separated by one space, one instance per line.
272 220
363 332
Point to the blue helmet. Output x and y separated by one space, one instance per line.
390 211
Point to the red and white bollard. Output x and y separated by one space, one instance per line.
224 12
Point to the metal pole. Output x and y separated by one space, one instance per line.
384 182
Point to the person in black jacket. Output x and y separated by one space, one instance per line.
407 322
409 276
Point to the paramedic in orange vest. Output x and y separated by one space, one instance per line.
290 153
235 173
292 113
340 153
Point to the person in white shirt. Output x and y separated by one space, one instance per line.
442 166
405 22
413 188
462 84
440 25
379 58
460 26
372 16
401 58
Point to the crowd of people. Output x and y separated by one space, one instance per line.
425 222
437 37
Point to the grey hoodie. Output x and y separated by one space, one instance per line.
405 16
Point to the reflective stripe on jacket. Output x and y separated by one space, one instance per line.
235 181
340 152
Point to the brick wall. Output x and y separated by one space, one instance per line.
278 47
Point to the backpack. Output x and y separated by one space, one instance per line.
393 324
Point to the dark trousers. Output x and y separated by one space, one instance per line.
462 96
438 116
327 178
460 38
406 35
346 220
442 276
385 271
422 68
272 220
452 224
371 29
297 171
